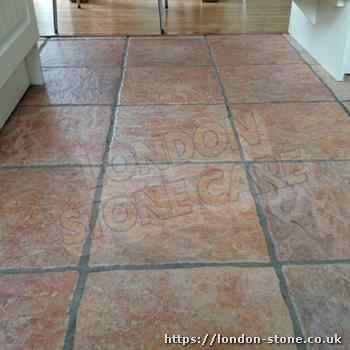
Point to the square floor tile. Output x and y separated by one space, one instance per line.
44 215
177 213
171 85
340 88
173 133
285 131
269 83
185 51
34 310
55 135
135 309
307 208
75 86
83 53
322 298
252 49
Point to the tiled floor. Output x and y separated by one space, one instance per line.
184 185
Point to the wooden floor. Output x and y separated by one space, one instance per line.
139 17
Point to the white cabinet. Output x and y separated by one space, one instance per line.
322 27
19 58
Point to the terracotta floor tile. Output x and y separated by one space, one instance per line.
172 133
34 310
75 86
190 51
44 216
171 85
340 88
307 208
83 53
269 83
177 213
321 295
59 135
285 131
252 49
135 309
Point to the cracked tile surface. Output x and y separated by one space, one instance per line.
307 208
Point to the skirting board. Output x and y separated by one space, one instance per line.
12 91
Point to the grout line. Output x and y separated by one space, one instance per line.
34 270
284 102
83 37
212 162
164 65
168 266
46 166
148 65
315 262
178 265
174 163
262 219
124 36
97 66
171 104
23 105
337 99
84 259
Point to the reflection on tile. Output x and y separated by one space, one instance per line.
285 131
156 214
181 51
83 53
59 135
171 85
135 309
340 88
252 49
34 310
173 133
269 83
307 207
44 216
322 297
75 86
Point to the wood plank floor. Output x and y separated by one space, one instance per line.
139 17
